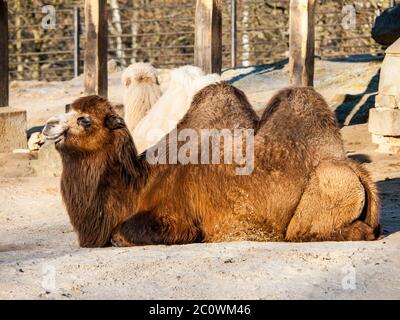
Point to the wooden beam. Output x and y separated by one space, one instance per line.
208 36
4 54
301 42
77 32
233 34
95 68
12 120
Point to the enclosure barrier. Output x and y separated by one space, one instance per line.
208 42
3 54
208 36
95 67
163 34
301 42
77 31
12 120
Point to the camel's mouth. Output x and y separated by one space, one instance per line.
55 129
56 138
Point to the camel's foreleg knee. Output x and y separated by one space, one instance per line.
141 229
146 228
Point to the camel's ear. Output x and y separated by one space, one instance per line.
113 122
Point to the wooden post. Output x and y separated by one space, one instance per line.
3 54
77 32
208 36
233 33
301 42
95 68
12 120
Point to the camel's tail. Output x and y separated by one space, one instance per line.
371 212
141 91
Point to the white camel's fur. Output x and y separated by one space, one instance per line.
141 91
184 83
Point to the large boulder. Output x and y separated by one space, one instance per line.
386 29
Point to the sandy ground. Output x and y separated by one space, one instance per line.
40 258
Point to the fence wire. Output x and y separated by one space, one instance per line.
162 33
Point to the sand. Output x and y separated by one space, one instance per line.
40 257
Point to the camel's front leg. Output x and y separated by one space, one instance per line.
141 229
118 240
146 228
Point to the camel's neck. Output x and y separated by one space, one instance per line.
100 190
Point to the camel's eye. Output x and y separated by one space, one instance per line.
84 121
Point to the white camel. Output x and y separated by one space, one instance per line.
141 91
163 117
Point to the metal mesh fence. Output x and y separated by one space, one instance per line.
162 32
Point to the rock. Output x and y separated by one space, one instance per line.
21 151
386 140
386 101
389 78
36 141
384 121
12 129
386 29
388 148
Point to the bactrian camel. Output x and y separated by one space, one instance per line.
141 90
302 187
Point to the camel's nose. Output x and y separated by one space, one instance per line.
54 127
52 122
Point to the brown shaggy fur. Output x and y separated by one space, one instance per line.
302 187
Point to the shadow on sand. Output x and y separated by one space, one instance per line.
351 101
360 157
257 70
389 190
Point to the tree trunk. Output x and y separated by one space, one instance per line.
18 42
116 21
245 36
135 31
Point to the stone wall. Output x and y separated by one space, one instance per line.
384 120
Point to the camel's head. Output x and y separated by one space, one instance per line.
140 72
87 127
